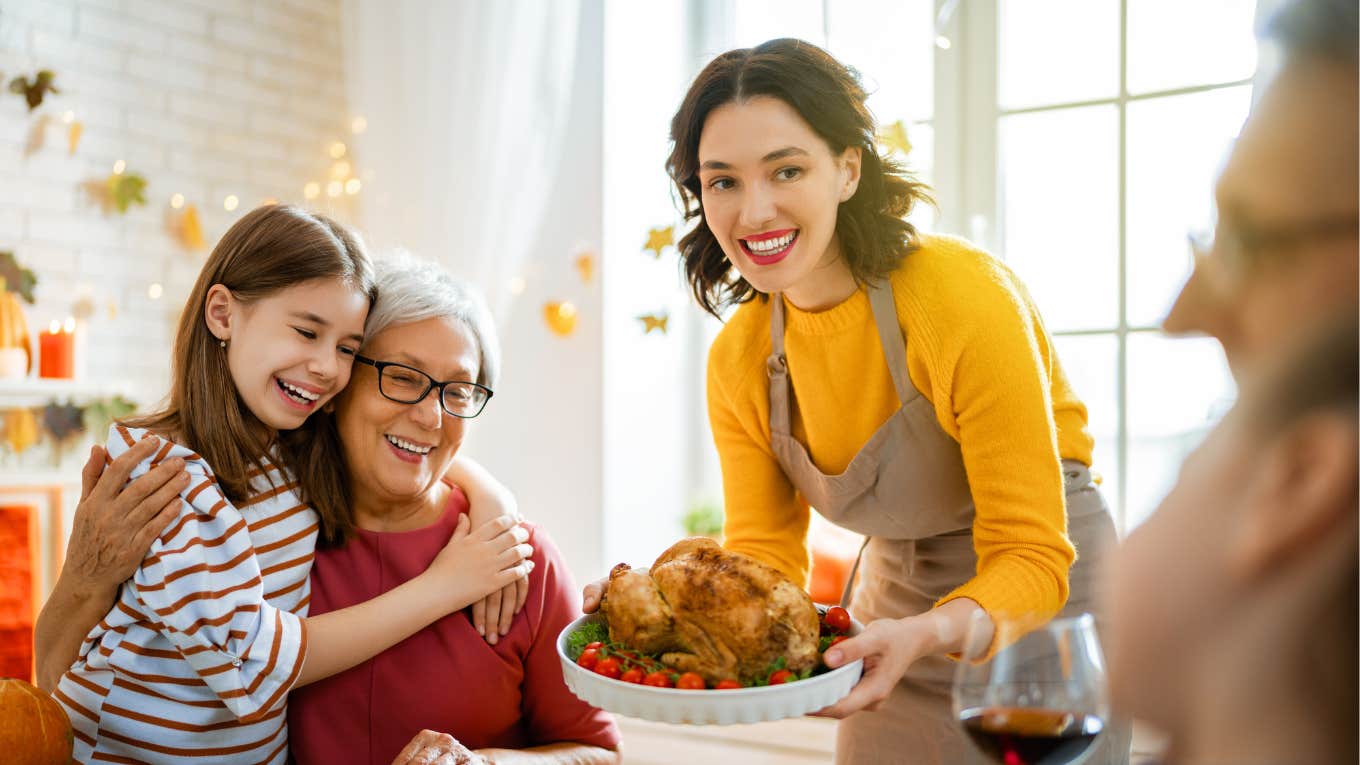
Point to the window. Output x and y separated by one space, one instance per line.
1076 139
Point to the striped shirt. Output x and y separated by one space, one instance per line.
196 658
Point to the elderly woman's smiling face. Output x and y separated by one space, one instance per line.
383 439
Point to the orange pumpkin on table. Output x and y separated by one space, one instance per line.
33 727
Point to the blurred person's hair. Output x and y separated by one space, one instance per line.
1320 380
1308 28
871 225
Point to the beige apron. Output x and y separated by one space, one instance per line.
906 490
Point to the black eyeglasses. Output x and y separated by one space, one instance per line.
408 385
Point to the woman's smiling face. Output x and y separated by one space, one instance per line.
770 189
396 452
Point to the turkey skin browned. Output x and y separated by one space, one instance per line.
708 610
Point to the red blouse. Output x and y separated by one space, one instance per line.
445 677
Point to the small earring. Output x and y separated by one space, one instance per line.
222 343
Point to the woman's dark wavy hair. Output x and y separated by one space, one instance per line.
871 226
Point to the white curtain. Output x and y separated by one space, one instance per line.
466 103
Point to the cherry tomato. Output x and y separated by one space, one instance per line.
609 667
633 675
588 658
782 676
837 619
691 681
659 679
838 639
597 645
727 684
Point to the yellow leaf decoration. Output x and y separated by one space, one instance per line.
560 317
191 229
654 321
585 265
73 134
21 429
125 190
894 137
659 239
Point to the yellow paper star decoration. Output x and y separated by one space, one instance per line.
894 137
659 239
585 266
560 317
654 321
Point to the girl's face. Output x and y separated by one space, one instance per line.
396 451
770 188
1169 581
291 352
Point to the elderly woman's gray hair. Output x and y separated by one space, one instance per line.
412 290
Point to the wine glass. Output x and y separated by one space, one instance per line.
1041 699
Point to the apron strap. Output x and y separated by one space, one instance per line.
778 368
890 337
848 594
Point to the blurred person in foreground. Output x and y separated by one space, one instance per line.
1233 608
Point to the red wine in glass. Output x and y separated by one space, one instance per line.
1024 736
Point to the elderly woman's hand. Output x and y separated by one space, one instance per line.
592 594
116 521
431 748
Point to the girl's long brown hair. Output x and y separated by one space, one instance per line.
270 249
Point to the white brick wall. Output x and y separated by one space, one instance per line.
204 98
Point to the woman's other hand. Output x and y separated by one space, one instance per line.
431 748
477 562
592 594
888 647
116 521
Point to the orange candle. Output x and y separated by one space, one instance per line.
57 351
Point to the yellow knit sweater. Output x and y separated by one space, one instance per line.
978 351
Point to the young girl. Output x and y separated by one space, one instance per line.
206 639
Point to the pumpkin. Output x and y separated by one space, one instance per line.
13 325
33 727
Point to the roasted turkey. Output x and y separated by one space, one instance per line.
707 610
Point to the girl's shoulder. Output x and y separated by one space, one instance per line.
123 437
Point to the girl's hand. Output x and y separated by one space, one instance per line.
493 614
888 647
431 748
475 563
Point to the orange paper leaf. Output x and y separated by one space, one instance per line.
560 317
191 229
73 134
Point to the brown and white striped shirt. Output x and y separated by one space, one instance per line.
196 658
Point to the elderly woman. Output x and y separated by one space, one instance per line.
428 364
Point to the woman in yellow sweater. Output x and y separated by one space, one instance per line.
903 385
